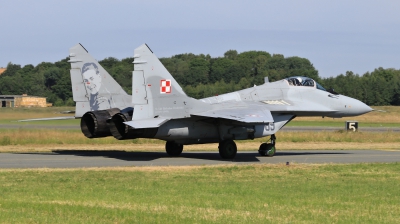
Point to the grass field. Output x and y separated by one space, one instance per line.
358 193
19 140
27 139
7 113
389 118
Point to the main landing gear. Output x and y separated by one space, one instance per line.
268 149
227 149
173 148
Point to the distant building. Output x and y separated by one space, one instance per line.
2 70
22 101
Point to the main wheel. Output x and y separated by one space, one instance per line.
267 149
227 149
173 148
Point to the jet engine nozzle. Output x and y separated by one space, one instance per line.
94 123
117 127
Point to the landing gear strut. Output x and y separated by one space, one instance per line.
227 149
173 148
268 149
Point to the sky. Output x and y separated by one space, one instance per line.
336 36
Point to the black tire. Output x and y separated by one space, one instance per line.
227 149
173 148
267 149
263 149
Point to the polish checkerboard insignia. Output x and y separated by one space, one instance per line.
165 86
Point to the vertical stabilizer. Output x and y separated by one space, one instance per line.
148 68
92 87
155 93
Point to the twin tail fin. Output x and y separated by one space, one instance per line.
92 87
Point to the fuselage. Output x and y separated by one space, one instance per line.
311 100
283 100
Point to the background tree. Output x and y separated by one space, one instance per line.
203 76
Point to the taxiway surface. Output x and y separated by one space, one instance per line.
80 159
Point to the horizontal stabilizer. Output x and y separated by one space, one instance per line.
48 119
147 123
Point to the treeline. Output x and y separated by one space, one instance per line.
202 76
52 80
377 88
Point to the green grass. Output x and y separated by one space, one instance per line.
341 124
357 193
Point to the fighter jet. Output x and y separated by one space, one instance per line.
159 108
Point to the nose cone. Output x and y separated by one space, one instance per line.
358 108
352 107
349 107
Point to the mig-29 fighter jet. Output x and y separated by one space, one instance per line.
160 109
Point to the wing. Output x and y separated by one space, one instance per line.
244 112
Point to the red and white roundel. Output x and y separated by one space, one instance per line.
165 86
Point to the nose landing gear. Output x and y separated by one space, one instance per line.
268 149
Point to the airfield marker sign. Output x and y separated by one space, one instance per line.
352 126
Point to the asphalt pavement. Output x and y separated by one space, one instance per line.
81 159
78 158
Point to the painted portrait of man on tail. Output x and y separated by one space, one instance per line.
93 83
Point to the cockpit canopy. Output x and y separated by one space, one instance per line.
304 81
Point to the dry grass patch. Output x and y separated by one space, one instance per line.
20 137
14 114
242 146
338 136
60 137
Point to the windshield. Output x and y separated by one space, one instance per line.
320 87
304 81
300 81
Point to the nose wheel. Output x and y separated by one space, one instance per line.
268 149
